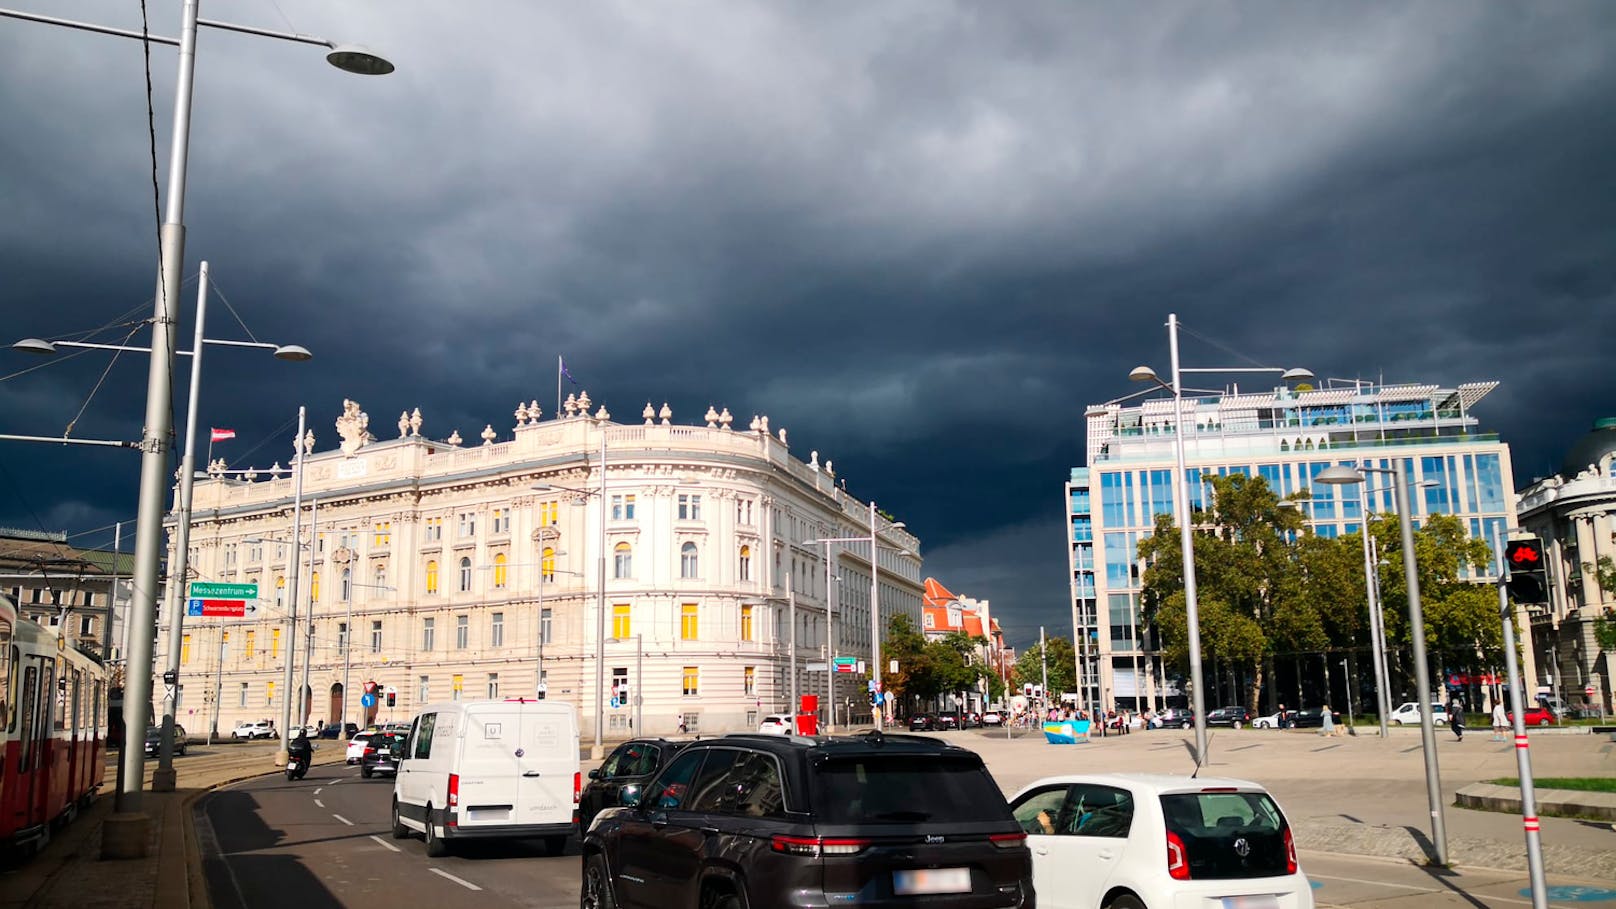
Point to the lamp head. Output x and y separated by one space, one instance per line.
35 346
1298 375
1143 374
295 353
359 60
1339 475
897 525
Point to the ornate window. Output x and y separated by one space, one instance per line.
347 584
689 561
746 622
499 571
688 621
547 564
465 574
622 624
496 631
745 566
429 633
692 681
314 588
622 561
432 576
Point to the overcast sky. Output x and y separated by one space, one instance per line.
921 236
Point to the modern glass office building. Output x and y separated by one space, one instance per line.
1286 437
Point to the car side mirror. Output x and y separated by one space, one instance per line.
594 774
629 797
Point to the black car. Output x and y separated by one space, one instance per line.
947 721
332 731
922 722
1236 717
154 739
766 820
632 764
383 751
1312 716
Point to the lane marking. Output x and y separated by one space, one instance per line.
320 790
461 881
385 844
343 819
1359 880
319 803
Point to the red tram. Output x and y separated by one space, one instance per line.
53 725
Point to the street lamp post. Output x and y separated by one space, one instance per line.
1343 475
295 569
126 836
1377 642
877 714
1183 514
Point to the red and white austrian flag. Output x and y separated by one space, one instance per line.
219 435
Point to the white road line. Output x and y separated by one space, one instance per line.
385 844
343 819
319 803
1358 880
320 790
461 881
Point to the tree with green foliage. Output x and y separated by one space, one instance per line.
1604 570
1462 629
914 679
1029 668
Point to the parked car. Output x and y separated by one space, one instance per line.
491 770
776 724
1409 713
382 754
1313 716
992 718
1177 716
1536 715
946 721
632 764
970 720
332 731
254 729
922 722
356 747
1165 840
893 818
154 738
1233 717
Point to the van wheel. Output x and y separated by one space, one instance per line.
1125 901
399 830
596 892
435 846
555 845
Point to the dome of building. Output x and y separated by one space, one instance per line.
1594 448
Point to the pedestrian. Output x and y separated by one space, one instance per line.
1326 721
1283 716
1456 717
1500 722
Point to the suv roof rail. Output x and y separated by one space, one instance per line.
773 737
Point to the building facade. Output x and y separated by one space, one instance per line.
1285 437
441 571
70 589
945 613
1574 513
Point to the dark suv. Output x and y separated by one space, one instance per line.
632 764
383 752
767 820
1235 717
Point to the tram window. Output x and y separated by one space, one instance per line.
30 706
58 694
6 718
78 712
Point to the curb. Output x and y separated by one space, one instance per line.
1550 802
1473 852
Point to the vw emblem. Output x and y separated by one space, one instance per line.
1241 847
520 752
933 838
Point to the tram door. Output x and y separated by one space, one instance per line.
28 782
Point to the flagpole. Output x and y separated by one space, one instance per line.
557 411
209 462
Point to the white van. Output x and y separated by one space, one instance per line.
490 769
1409 712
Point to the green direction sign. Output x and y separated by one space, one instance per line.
205 590
840 661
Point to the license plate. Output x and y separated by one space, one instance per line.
1264 901
931 880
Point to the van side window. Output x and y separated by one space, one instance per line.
423 735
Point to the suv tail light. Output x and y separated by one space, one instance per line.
1178 866
369 750
1007 840
816 845
1290 852
577 786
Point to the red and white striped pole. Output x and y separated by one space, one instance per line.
1523 757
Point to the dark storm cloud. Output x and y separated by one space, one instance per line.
922 236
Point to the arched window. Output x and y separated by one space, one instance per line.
465 574
280 593
689 563
499 571
623 561
432 576
547 563
746 564
347 584
314 588
381 576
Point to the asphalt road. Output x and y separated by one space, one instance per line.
325 841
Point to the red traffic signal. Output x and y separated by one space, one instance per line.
1524 555
1528 575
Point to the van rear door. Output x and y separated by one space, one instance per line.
516 767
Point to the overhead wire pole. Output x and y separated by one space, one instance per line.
296 567
878 703
305 696
1372 593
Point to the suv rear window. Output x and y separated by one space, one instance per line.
906 789
1212 826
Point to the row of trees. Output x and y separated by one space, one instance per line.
927 670
1269 588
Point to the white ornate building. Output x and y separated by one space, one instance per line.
1574 513
456 578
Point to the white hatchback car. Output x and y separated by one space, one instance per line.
776 724
1147 841
356 747
1409 713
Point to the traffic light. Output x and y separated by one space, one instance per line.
392 698
1528 574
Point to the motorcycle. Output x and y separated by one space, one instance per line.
296 766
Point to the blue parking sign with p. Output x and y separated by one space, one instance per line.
193 607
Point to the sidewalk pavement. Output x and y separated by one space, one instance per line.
70 873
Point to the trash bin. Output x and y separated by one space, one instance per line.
808 715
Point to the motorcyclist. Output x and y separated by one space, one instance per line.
300 747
